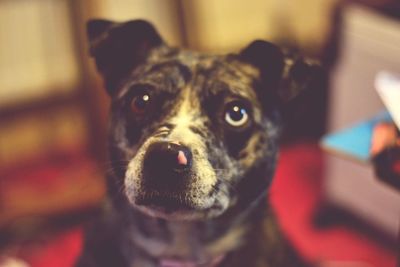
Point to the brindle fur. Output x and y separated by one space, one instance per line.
232 168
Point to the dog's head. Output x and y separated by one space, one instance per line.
189 130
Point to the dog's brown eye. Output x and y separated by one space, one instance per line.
140 103
236 114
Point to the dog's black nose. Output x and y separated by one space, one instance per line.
168 156
166 164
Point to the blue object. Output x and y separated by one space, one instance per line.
356 140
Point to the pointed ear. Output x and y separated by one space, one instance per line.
299 74
286 73
96 27
120 47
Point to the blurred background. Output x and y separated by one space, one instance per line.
53 119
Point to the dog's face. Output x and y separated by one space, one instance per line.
187 129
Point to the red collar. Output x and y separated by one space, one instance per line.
184 263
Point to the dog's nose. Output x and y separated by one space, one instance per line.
167 163
168 156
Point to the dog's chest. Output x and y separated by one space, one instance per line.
181 244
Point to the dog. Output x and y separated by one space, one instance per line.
193 146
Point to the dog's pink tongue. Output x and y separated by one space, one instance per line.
173 263
182 160
182 263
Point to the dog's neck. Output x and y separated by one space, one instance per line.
186 243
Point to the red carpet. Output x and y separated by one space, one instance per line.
295 195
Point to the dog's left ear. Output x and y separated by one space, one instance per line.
120 47
288 74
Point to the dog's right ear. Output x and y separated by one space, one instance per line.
120 47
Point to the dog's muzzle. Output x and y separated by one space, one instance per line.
167 169
166 166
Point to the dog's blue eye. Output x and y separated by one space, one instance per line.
236 115
140 103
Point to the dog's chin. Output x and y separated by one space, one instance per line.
178 215
173 209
